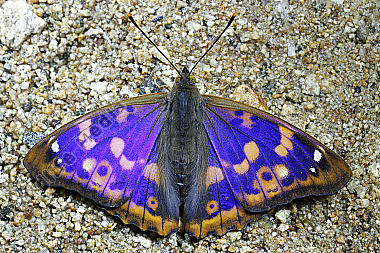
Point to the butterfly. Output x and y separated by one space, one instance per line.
182 160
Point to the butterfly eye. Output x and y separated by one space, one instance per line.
193 80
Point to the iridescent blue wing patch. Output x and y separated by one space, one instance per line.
257 162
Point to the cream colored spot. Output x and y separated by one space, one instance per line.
225 164
281 171
117 146
84 125
286 131
84 136
281 150
251 150
317 156
242 168
312 169
125 163
286 142
214 175
122 116
89 164
152 172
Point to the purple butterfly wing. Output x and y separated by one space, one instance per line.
145 208
257 162
109 156
219 211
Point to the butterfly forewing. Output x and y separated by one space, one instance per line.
267 161
108 156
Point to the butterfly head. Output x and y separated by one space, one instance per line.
185 79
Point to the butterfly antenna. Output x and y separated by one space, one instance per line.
216 40
146 36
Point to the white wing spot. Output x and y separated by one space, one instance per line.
312 169
55 147
59 161
89 164
317 155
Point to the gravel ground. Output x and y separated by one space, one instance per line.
313 63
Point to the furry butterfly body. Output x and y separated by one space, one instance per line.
212 163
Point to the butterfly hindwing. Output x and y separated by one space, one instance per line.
145 208
219 211
108 156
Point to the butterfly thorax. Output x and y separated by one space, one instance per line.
183 153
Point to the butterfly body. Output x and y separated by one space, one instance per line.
210 162
181 148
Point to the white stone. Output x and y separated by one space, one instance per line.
24 85
81 209
77 226
374 169
245 248
99 87
76 217
57 234
364 203
9 158
194 26
18 21
312 85
3 178
338 1
144 241
283 215
291 49
53 45
104 223
94 31
283 227
234 236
